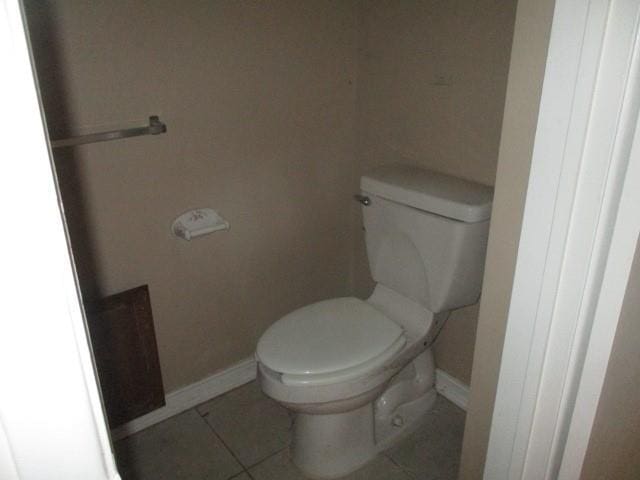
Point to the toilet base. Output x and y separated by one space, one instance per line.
334 445
331 445
409 396
406 420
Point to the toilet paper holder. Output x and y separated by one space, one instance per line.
198 222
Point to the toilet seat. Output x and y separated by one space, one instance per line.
330 341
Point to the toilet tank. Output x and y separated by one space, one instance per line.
426 234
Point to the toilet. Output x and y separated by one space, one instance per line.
359 374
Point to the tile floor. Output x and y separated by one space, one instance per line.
243 435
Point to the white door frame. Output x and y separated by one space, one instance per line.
51 419
577 243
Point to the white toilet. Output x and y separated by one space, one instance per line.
360 374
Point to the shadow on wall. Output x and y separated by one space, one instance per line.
59 120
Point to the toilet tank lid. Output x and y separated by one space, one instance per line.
430 191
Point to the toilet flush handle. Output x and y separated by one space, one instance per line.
363 199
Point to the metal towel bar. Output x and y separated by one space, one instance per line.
155 127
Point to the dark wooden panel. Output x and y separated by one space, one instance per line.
126 354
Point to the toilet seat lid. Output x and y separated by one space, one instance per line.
329 336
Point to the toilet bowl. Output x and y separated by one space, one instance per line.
359 374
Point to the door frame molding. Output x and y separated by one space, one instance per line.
577 243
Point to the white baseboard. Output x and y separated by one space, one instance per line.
452 389
243 372
185 398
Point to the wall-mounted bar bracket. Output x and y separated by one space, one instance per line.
155 127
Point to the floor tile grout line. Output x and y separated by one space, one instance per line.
407 472
213 400
238 475
271 455
207 413
224 444
245 467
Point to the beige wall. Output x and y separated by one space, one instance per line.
614 446
274 109
431 85
259 99
528 57
432 82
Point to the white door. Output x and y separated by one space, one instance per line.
51 420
